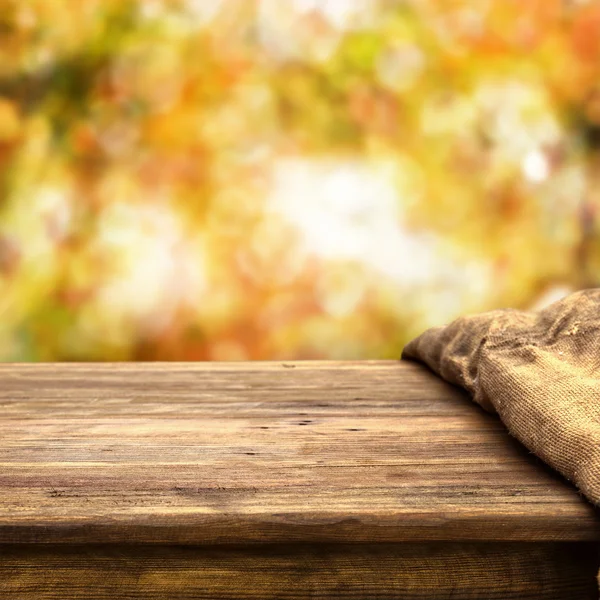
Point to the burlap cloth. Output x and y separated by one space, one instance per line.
539 371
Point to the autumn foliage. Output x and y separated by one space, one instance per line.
264 179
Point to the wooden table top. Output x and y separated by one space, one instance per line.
238 453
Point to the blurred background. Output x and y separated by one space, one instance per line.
278 179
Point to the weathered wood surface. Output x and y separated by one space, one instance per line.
238 453
433 571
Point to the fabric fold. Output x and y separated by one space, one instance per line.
539 371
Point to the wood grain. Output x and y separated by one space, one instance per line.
249 453
457 571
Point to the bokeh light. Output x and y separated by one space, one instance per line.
278 179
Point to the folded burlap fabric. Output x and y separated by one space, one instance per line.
539 371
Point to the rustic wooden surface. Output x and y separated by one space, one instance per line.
205 453
434 571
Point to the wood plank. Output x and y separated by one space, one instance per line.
220 453
457 571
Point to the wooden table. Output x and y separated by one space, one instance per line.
275 480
